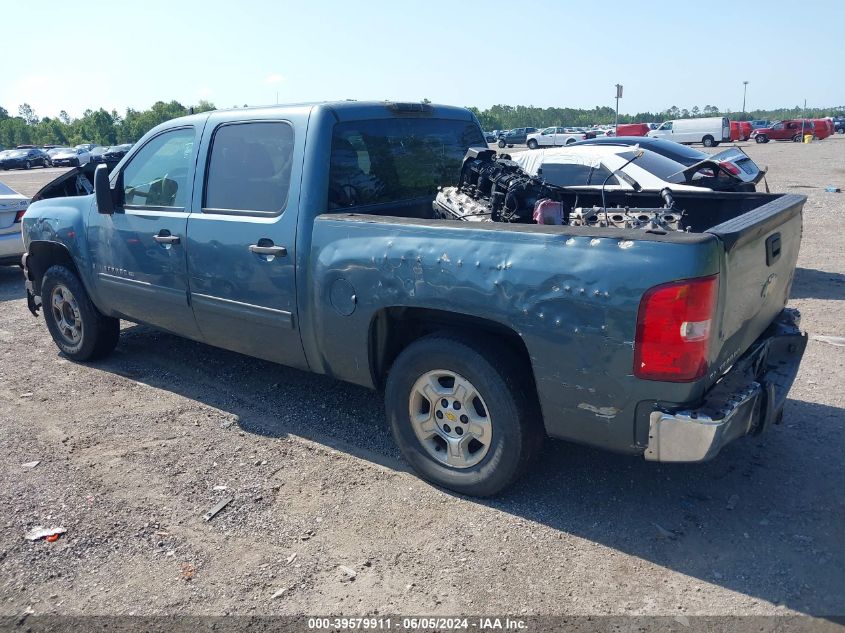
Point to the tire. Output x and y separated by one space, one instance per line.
569 141
796 138
501 143
761 138
79 330
708 141
510 421
28 165
532 143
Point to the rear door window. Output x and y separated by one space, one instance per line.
249 168
390 160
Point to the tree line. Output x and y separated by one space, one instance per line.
94 126
505 117
111 128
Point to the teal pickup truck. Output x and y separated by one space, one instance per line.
384 245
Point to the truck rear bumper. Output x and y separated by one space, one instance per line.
746 400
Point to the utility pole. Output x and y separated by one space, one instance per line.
803 120
744 91
618 97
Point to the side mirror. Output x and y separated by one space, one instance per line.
102 190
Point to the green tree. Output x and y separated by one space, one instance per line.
27 114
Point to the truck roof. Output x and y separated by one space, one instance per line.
345 110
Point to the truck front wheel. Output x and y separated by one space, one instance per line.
461 415
79 330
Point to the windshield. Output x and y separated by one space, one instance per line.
19 152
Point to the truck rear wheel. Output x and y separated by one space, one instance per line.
79 330
460 415
708 141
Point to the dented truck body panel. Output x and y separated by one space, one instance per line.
569 294
571 298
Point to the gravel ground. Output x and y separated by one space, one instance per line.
133 450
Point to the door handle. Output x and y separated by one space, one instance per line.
277 251
166 238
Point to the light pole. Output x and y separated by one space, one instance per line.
618 97
744 91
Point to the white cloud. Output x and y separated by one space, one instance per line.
274 79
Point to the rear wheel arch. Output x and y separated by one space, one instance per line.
393 329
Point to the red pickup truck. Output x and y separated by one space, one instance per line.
789 130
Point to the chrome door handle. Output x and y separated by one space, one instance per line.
278 251
166 239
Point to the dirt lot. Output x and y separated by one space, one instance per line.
133 450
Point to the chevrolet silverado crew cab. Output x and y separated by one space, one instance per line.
383 244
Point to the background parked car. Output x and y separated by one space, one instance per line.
55 150
758 123
97 153
554 137
86 146
732 162
747 129
516 136
24 159
12 207
112 155
839 124
73 157
788 130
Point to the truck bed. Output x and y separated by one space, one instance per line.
571 293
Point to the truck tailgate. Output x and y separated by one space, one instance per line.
760 253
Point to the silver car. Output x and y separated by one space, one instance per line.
12 207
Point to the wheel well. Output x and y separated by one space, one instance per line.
42 255
393 329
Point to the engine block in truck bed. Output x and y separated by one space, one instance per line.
495 189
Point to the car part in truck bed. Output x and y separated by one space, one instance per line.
496 189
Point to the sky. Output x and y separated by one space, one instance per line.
121 54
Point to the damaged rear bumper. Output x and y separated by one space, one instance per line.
748 399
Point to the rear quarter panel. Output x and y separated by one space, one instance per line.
571 296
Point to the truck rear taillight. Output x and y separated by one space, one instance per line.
673 330
19 215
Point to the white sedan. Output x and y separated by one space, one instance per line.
619 167
71 157
12 207
554 137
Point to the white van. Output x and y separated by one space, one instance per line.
710 131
